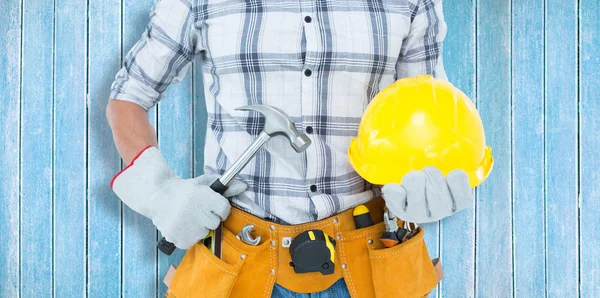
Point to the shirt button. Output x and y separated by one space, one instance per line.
308 72
309 129
313 188
307 19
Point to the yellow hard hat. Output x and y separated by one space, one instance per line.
418 122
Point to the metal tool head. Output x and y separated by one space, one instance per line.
278 123
411 226
389 220
245 236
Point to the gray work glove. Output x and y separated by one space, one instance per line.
183 210
427 196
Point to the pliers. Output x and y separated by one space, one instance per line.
393 234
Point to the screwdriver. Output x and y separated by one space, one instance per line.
362 217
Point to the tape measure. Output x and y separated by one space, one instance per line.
313 251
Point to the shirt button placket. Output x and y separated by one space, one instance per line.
308 92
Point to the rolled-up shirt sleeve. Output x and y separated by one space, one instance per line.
161 57
421 51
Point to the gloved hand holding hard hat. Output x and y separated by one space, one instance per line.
422 139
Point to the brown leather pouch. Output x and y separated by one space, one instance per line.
202 274
406 266
372 270
353 252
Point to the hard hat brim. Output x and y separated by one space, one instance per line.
373 175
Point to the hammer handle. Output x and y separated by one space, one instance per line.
168 248
220 186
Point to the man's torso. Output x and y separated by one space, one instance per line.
321 62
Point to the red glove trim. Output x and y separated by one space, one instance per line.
127 167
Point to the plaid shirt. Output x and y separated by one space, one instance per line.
321 62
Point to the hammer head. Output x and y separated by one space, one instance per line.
278 123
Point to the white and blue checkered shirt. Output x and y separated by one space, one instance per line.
321 62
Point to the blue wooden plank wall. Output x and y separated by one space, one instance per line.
528 148
70 148
140 277
589 163
532 68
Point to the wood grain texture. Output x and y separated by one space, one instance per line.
432 233
561 149
10 115
37 149
458 231
589 72
70 120
529 246
494 262
104 208
532 67
175 139
139 234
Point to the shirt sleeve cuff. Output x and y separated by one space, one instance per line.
130 98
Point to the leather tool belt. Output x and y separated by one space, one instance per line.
369 269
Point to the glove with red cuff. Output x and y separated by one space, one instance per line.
183 210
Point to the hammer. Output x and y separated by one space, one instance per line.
276 123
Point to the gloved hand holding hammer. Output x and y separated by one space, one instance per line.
183 210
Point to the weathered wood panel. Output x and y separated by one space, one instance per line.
104 249
10 121
589 109
529 245
561 182
493 246
37 149
70 145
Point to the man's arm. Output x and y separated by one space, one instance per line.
131 128
183 210
421 51
161 58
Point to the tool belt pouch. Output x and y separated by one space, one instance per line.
373 270
411 271
202 274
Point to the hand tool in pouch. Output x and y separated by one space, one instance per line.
393 234
313 251
412 230
276 123
244 235
362 217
